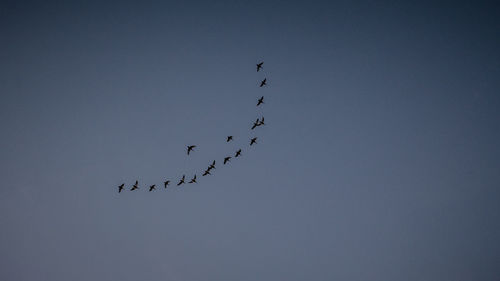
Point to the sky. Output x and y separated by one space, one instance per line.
379 159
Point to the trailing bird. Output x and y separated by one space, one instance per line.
207 172
260 101
263 82
166 183
256 123
238 153
182 180
261 122
193 180
135 186
229 138
254 140
120 187
227 159
190 148
259 66
212 166
152 187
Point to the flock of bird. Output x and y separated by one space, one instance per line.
190 148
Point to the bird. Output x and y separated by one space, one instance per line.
135 186
120 187
182 180
227 159
212 166
190 148
152 187
260 101
166 183
254 140
207 172
261 122
263 82
238 153
193 180
259 66
229 138
256 123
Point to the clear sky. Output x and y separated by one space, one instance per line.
380 159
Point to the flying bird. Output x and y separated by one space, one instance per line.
120 187
166 183
135 186
182 180
207 172
227 159
259 66
212 166
238 153
190 148
152 187
263 82
260 101
229 138
256 123
261 122
254 140
193 180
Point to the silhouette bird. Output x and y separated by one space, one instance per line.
135 186
263 82
193 180
212 166
256 123
227 159
120 187
261 122
152 187
260 101
182 180
166 183
207 172
259 66
238 153
229 138
254 140
190 148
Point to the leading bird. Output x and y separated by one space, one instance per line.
190 148
259 66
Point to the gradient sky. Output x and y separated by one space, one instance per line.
380 159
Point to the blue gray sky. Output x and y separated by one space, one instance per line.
379 160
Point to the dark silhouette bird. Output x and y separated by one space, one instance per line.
212 166
238 153
190 148
260 101
182 180
207 172
259 66
256 123
120 187
261 122
152 187
135 186
263 82
227 159
254 140
229 138
166 183
193 180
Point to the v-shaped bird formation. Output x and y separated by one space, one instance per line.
226 160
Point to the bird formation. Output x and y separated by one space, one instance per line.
190 149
